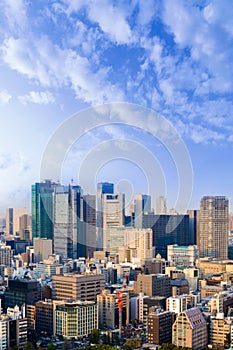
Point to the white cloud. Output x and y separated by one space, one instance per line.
4 97
15 13
38 97
111 19
55 67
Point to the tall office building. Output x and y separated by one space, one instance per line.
42 209
142 205
168 229
12 220
90 229
161 205
214 221
194 223
68 230
102 188
113 213
113 210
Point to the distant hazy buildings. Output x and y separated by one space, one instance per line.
214 223
130 243
142 205
161 205
12 220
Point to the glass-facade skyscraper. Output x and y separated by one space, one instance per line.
68 229
42 209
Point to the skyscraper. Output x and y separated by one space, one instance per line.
102 188
168 229
69 240
214 214
89 217
194 225
161 205
142 205
42 209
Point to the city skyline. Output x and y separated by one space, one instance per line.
173 58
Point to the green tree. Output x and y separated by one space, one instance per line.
95 336
51 346
131 344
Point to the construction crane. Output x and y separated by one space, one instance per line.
120 309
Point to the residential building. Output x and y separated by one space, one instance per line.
176 304
6 255
221 330
190 330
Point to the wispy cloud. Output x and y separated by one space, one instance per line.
4 97
39 97
175 57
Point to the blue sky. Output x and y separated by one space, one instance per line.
59 57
